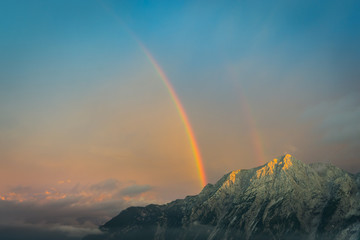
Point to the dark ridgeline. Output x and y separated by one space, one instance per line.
283 199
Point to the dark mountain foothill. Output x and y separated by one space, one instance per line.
283 199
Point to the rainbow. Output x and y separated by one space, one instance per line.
184 118
254 134
250 121
182 114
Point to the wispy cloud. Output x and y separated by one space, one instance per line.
135 190
73 211
339 119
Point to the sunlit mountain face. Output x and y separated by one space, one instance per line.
107 104
283 199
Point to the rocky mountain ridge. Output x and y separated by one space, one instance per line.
283 199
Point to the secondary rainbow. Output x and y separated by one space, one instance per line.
182 114
251 123
254 134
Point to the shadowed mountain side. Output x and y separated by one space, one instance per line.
283 199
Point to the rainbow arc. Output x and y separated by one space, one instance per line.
180 108
182 114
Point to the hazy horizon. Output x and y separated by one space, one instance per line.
88 127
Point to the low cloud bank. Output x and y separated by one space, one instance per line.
66 212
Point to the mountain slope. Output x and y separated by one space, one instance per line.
283 199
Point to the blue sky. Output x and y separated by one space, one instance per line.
79 100
284 56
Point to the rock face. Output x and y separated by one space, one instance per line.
283 199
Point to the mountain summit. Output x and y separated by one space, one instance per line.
283 199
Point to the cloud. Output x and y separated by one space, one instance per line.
339 120
106 185
69 212
135 190
33 232
335 131
64 181
21 189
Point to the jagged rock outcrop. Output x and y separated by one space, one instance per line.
283 199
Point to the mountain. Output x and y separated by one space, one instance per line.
283 199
